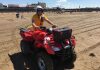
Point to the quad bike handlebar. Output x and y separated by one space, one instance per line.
48 30
43 27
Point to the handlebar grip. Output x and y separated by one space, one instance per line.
54 26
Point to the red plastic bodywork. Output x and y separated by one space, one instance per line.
39 35
73 40
27 36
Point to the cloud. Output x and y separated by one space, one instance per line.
61 3
22 5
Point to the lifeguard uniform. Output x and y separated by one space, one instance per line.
38 20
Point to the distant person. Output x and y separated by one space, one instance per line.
22 16
17 15
70 12
38 18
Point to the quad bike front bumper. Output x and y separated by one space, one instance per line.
65 54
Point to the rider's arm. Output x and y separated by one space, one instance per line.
47 20
33 24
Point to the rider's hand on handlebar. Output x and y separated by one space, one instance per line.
37 27
54 26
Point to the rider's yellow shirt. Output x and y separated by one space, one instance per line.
38 20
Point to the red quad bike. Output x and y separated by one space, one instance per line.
49 46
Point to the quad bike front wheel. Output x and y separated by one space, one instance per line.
25 48
72 58
44 62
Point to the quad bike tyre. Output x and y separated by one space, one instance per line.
44 62
25 48
72 57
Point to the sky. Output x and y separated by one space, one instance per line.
54 3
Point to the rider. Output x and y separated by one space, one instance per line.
39 18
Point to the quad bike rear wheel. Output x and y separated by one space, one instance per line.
44 62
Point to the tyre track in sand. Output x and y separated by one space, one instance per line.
98 68
79 20
13 40
87 30
89 48
96 26
6 47
5 42
94 23
9 49
87 24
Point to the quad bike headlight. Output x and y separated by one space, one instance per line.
67 46
55 48
46 40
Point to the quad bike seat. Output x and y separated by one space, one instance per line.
23 30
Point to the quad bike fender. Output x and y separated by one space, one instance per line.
49 49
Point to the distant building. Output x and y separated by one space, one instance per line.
1 6
13 6
5 6
42 4
35 5
32 6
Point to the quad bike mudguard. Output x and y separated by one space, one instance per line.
27 35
